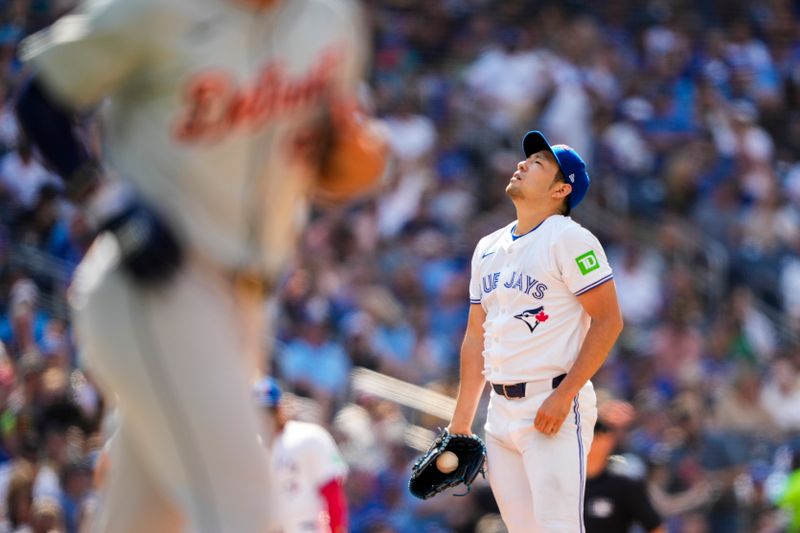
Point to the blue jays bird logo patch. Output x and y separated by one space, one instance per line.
533 317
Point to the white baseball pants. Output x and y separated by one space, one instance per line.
538 480
186 456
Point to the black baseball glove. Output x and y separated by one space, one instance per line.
426 479
149 250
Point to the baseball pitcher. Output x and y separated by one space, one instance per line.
218 119
544 315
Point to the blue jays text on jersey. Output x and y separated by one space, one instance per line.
520 281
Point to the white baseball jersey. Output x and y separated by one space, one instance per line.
304 458
210 103
528 285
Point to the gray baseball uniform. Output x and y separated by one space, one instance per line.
206 105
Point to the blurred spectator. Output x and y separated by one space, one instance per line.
790 286
19 496
526 78
638 271
46 517
315 364
751 57
21 327
757 331
22 176
411 134
780 397
393 339
676 348
76 484
702 458
739 409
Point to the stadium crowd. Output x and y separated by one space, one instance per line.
688 114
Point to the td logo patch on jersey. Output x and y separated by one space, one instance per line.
533 317
587 262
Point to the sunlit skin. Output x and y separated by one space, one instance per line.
535 178
535 191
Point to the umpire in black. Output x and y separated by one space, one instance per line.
615 500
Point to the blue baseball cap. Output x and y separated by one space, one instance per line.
267 392
570 163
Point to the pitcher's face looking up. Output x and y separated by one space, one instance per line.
535 177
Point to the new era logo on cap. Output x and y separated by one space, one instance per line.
569 162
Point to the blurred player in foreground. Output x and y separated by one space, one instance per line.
307 469
218 118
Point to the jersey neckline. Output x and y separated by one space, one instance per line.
514 228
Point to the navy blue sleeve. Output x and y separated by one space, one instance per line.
52 129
